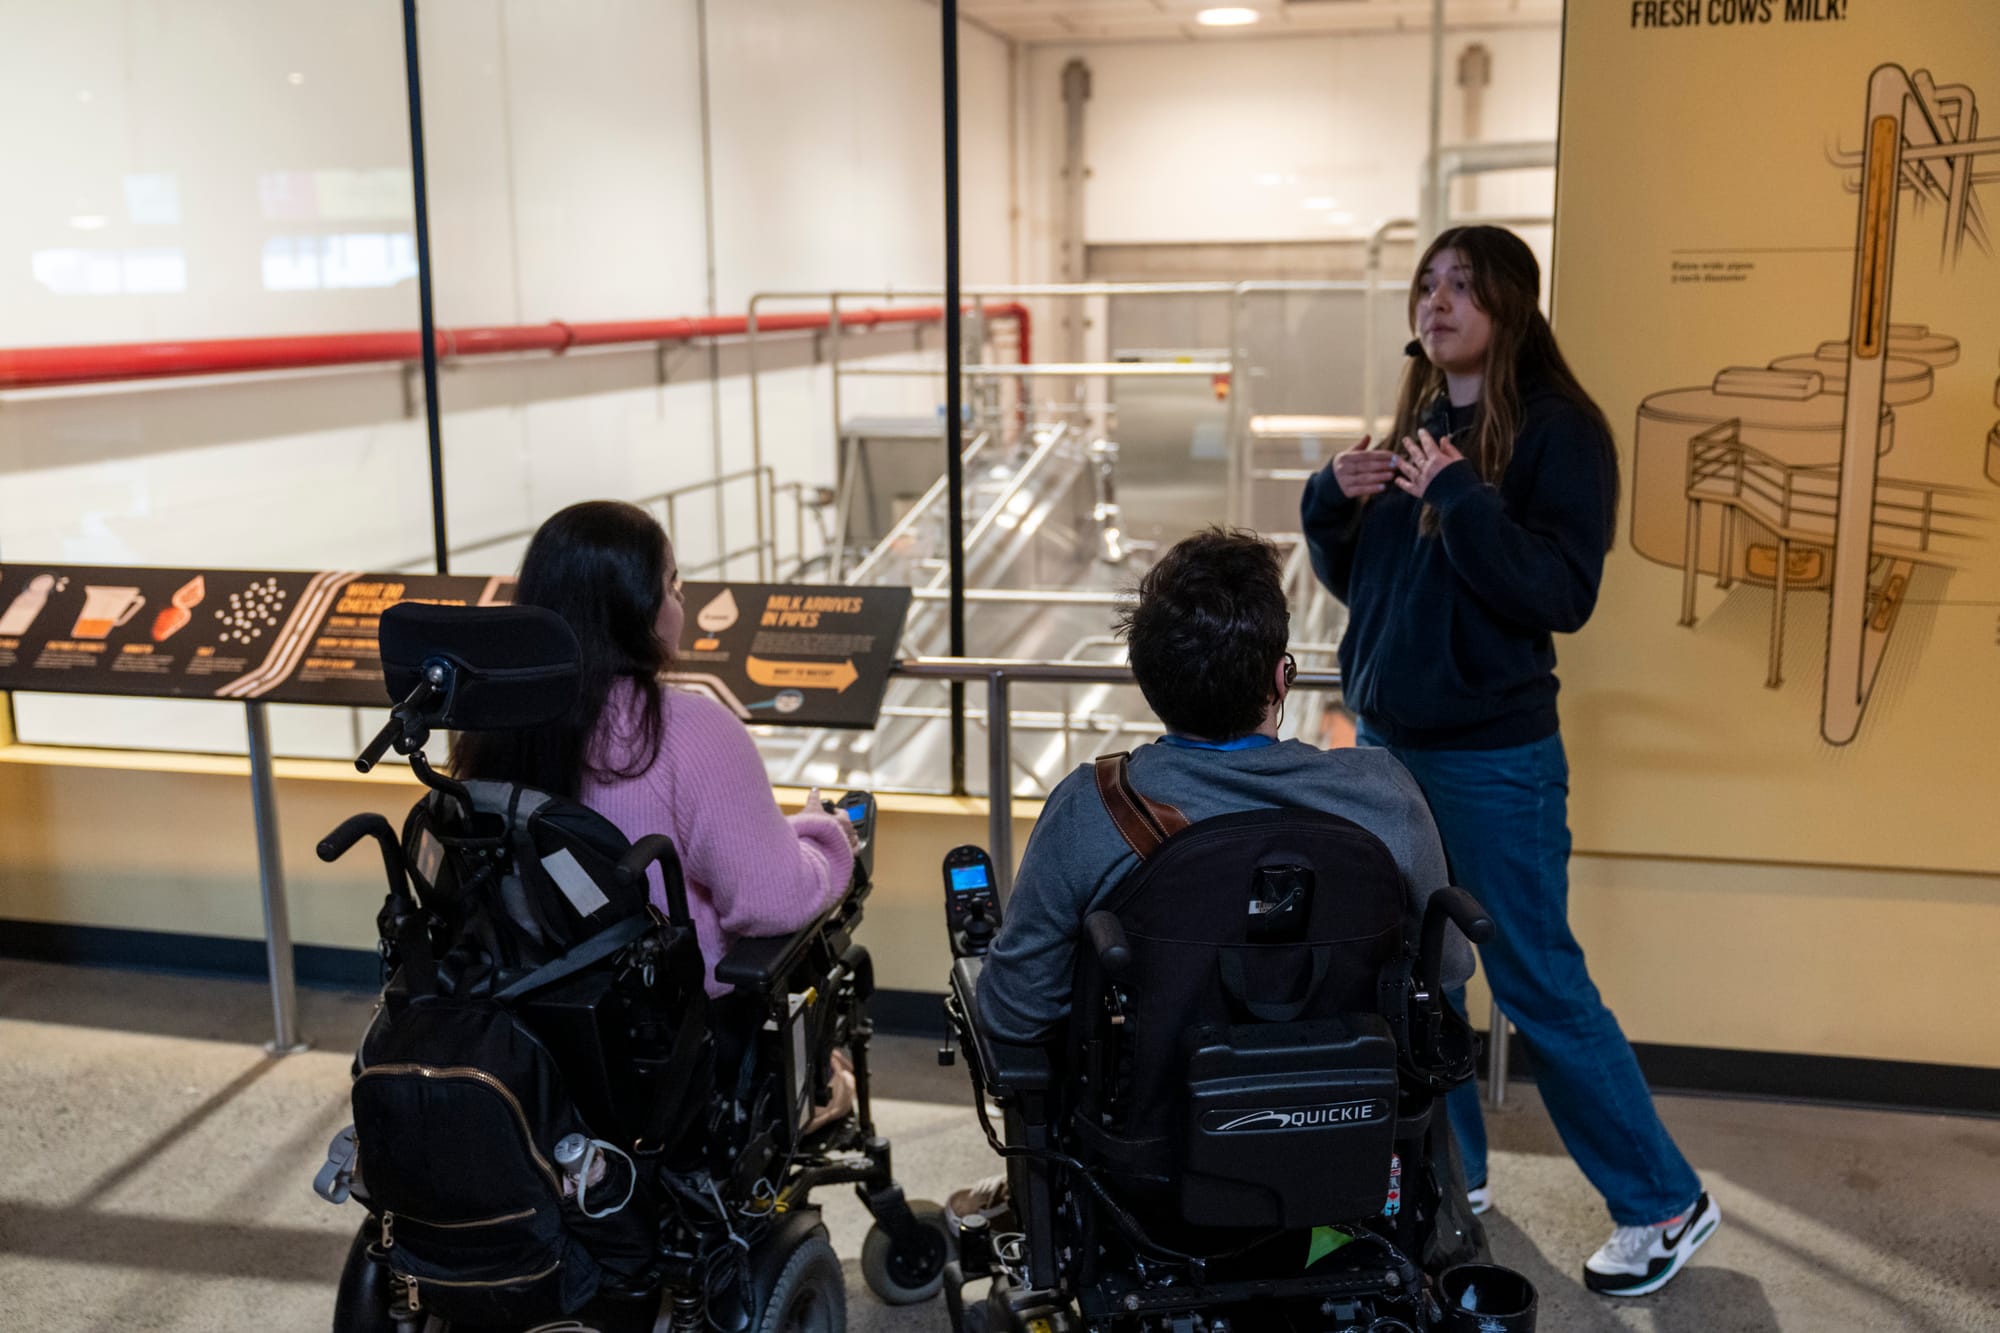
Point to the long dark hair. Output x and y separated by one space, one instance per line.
1506 283
602 566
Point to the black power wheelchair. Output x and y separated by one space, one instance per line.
1242 1129
556 1127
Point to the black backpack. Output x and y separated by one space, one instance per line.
1243 1067
524 958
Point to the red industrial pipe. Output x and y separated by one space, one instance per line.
43 367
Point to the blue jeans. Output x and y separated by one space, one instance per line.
1504 818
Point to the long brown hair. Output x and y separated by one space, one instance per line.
1506 284
602 566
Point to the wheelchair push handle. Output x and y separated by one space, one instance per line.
356 827
1107 939
658 847
1459 908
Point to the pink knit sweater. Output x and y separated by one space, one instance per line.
750 869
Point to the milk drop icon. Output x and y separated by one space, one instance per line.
719 614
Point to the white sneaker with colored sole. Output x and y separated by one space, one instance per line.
1640 1260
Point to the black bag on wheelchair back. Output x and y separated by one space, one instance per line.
459 1102
526 879
1239 1067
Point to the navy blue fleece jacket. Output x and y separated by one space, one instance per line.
1449 636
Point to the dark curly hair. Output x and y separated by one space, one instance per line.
1208 631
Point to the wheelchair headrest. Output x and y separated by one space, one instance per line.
509 666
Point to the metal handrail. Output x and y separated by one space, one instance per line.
1031 596
1059 369
764 479
1043 451
1001 672
933 590
1236 448
918 513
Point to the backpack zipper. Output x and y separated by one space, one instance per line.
481 1076
520 1216
411 1282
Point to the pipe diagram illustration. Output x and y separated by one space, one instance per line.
1772 475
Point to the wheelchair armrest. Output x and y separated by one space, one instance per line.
1461 909
1006 1069
759 963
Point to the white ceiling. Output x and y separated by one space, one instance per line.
1116 20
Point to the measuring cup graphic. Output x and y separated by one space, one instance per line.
105 609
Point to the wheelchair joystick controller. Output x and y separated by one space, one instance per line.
978 931
971 901
858 809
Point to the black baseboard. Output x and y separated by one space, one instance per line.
1895 1085
189 955
1889 1085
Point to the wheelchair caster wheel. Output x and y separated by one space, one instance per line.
916 1273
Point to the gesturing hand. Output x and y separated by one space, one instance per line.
1422 459
1363 470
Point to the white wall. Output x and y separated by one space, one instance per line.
194 161
168 130
1267 141
1230 141
563 144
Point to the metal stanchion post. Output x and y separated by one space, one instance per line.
1496 1058
271 874
999 781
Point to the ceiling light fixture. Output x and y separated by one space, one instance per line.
1229 16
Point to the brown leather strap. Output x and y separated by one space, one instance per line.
1143 823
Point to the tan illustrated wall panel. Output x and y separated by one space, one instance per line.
1775 268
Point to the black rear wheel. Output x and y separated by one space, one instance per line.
810 1293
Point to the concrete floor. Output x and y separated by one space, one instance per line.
155 1173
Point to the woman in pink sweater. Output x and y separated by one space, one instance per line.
653 759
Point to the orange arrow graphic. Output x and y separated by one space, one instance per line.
835 676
